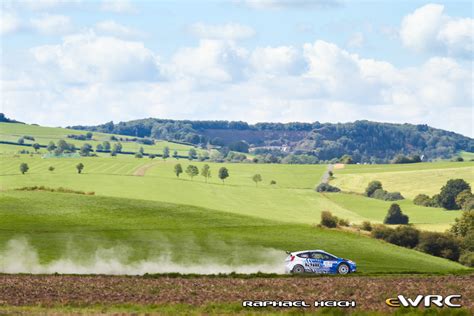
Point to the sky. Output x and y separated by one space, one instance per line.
89 62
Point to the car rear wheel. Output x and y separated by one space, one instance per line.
298 269
343 269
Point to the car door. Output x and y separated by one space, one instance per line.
328 263
315 262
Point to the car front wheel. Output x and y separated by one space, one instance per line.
298 269
343 269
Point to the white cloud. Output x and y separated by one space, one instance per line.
277 60
118 6
43 5
213 60
229 31
217 79
113 28
52 24
429 29
282 4
9 23
356 40
91 58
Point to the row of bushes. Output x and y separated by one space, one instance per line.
454 195
457 244
60 190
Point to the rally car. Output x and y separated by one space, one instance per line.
317 261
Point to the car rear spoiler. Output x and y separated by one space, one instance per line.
288 252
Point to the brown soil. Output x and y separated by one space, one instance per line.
143 169
370 293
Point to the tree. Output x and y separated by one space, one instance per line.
463 225
51 168
141 150
99 147
346 159
36 146
86 149
449 192
138 155
206 172
395 215
89 135
178 169
192 154
372 187
166 152
175 154
21 140
117 147
24 168
257 178
80 167
106 146
62 146
422 199
223 174
51 146
192 171
463 197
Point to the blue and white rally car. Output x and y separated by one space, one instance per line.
317 261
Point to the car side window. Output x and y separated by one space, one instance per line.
317 255
321 256
303 255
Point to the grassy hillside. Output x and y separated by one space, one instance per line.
291 199
55 223
43 135
409 179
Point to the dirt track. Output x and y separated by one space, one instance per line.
143 169
370 293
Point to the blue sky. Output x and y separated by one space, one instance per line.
87 62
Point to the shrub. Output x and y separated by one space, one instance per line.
343 222
139 155
151 156
381 232
273 182
367 226
325 187
379 194
372 187
440 245
328 220
404 236
422 199
51 168
395 216
393 196
467 259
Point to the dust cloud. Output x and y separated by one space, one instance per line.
19 256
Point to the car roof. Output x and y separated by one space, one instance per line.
315 250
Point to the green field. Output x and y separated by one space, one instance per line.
43 135
55 223
409 179
142 204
